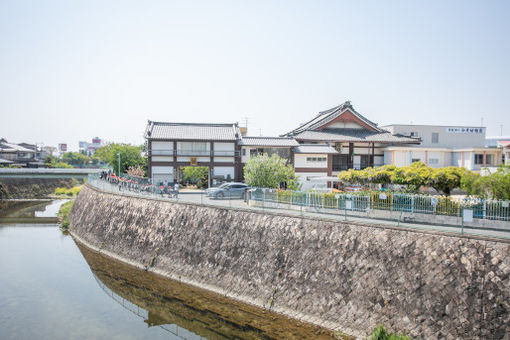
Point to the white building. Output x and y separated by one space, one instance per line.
441 146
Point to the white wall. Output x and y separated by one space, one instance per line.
224 146
162 159
301 162
245 154
306 184
156 145
447 139
224 159
224 171
346 125
162 173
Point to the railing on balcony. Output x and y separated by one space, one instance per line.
187 152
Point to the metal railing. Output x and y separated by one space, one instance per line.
186 152
400 202
471 215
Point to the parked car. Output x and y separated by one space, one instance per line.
228 190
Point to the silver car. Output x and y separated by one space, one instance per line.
228 190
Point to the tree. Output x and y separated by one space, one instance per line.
269 172
130 156
446 179
75 159
135 171
198 175
496 185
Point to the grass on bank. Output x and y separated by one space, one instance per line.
68 192
63 214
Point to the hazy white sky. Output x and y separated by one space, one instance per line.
73 70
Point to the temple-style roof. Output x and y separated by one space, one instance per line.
354 135
192 131
269 141
341 112
344 124
315 148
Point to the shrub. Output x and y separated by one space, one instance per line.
63 214
380 333
74 191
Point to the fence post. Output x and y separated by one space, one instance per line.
462 219
484 213
412 204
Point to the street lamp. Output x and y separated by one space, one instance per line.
118 154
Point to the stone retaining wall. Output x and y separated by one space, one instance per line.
344 276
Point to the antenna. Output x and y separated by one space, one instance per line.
260 132
501 129
481 122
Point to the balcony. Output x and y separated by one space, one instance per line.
193 153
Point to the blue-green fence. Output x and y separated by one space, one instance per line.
365 201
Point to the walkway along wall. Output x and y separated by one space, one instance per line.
338 275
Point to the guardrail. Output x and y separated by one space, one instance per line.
471 215
366 201
182 152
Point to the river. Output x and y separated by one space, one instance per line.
53 288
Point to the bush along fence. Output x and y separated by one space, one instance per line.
365 201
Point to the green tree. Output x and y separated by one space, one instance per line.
130 156
269 172
198 175
499 183
75 158
446 179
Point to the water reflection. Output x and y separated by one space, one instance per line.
30 211
188 312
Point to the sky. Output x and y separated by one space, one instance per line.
73 70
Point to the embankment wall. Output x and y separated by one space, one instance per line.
344 276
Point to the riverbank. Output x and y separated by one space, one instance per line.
340 275
26 188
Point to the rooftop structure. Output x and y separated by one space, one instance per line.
192 131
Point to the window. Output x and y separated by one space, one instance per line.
478 158
414 160
244 152
433 161
435 137
413 134
316 159
488 159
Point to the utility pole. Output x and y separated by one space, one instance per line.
246 124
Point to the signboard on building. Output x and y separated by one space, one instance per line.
193 161
464 129
62 147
